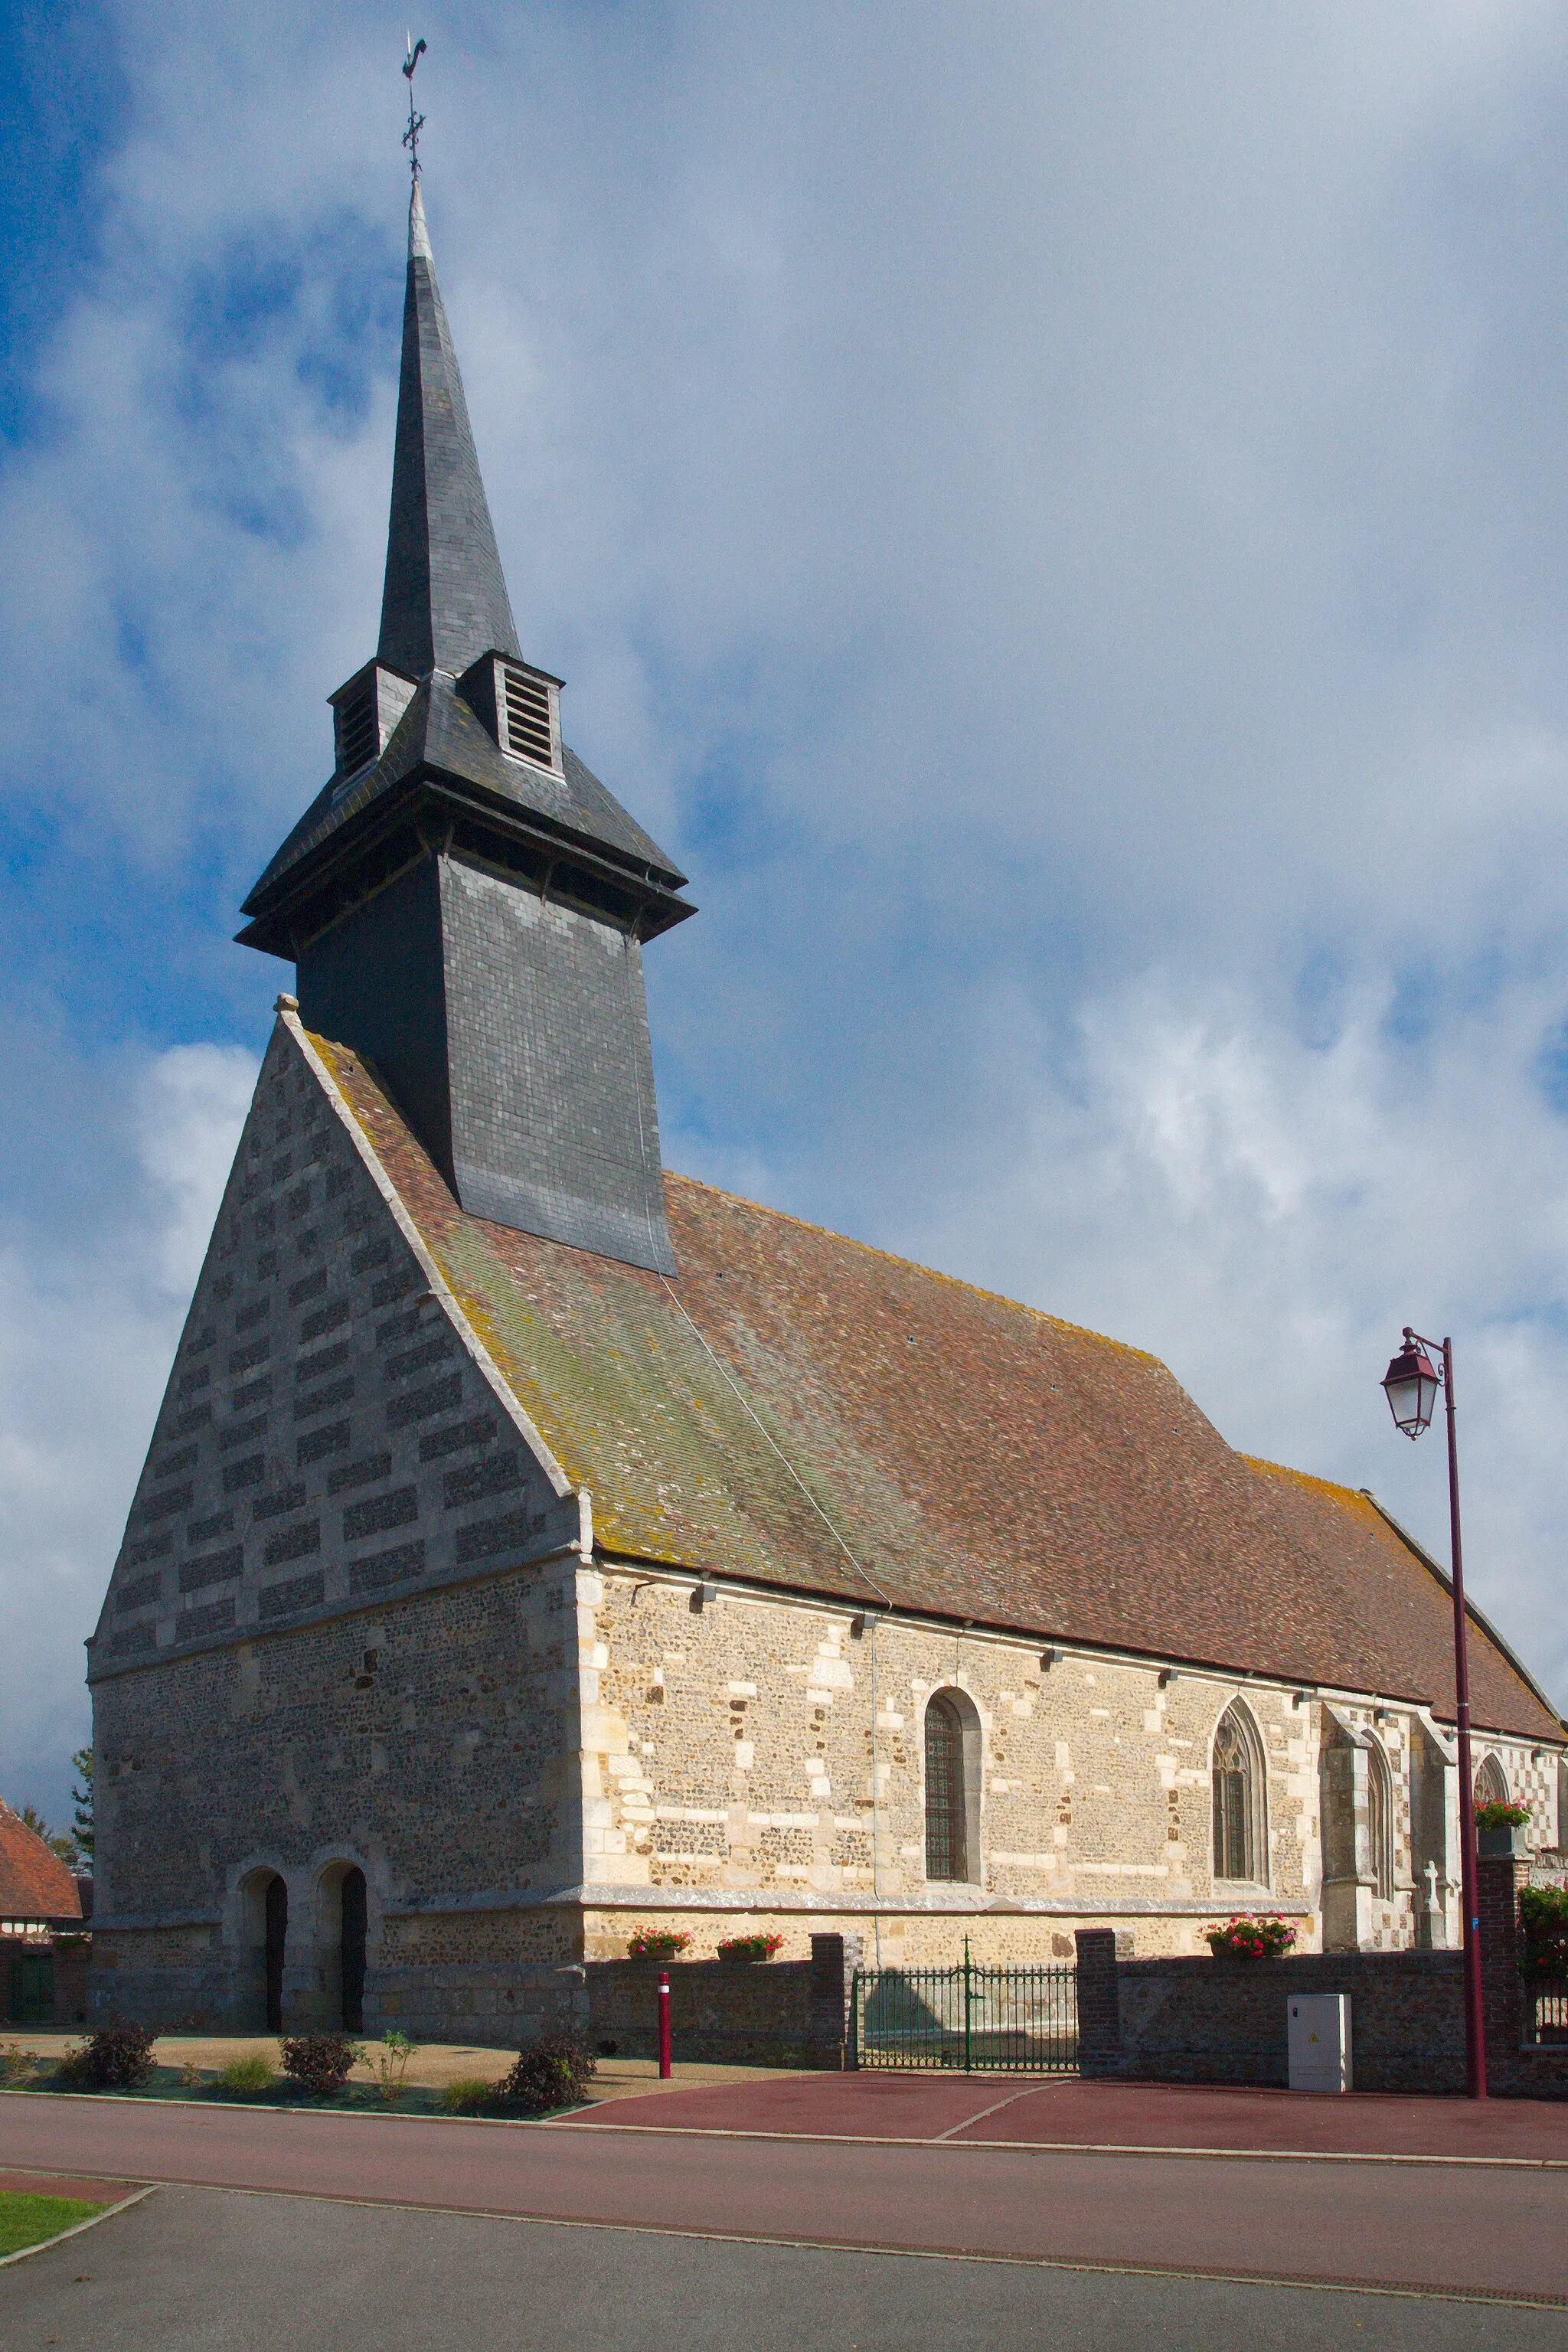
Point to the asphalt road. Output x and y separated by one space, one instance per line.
1487 2229
192 2270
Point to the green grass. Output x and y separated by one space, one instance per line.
26 2221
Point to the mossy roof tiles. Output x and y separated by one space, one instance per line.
801 1410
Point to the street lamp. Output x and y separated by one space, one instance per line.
1411 1385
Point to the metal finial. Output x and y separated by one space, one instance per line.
416 121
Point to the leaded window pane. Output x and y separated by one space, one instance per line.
946 1856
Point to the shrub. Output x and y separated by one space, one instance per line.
118 2057
1544 1915
469 2095
320 2063
15 2064
1496 1815
390 2058
554 2072
1246 1937
750 1947
657 1943
242 2074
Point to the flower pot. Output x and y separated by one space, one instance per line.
1501 1845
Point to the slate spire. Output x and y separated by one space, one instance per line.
445 601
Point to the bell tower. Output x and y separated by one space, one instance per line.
465 903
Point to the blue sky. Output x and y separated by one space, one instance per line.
1056 516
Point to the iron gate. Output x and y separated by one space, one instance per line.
984 2021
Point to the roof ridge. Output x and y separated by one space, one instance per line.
935 1273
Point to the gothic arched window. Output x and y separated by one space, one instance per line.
947 1808
1240 1842
1380 1821
1491 1787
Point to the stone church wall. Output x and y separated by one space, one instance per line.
734 1781
428 1743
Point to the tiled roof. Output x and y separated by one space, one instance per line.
801 1410
34 1882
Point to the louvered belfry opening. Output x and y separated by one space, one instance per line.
528 727
358 735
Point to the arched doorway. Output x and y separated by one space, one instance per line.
277 1938
352 1897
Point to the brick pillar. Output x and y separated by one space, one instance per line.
833 1960
1098 2011
1499 1880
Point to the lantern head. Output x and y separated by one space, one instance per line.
1410 1384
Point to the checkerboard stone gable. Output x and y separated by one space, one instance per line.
320 1398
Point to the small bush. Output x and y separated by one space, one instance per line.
750 1948
246 2074
1544 1915
657 1943
390 2058
554 2072
15 2064
118 2057
469 2095
321 2063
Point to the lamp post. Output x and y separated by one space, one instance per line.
1411 1385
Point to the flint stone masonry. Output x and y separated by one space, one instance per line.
1211 2020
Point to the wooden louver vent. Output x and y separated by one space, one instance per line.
528 727
359 737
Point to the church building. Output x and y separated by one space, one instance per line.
535 1545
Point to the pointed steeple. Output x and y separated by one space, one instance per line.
445 601
465 903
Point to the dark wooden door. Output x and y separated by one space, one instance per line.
32 1987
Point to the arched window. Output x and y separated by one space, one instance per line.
1379 1821
1492 1786
1240 1838
952 1777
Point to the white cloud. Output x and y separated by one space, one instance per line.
1057 515
90 1310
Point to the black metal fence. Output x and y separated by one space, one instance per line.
977 2019
1549 2020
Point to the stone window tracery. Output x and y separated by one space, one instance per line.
1240 1842
1380 1821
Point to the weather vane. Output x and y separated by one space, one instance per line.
416 121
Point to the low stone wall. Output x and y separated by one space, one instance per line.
1192 2021
778 2013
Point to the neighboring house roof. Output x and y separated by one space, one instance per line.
804 1410
35 1883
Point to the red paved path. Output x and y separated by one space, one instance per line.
1487 2229
50 2184
1068 2113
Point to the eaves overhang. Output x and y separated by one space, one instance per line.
432 811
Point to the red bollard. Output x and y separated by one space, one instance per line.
664 2025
